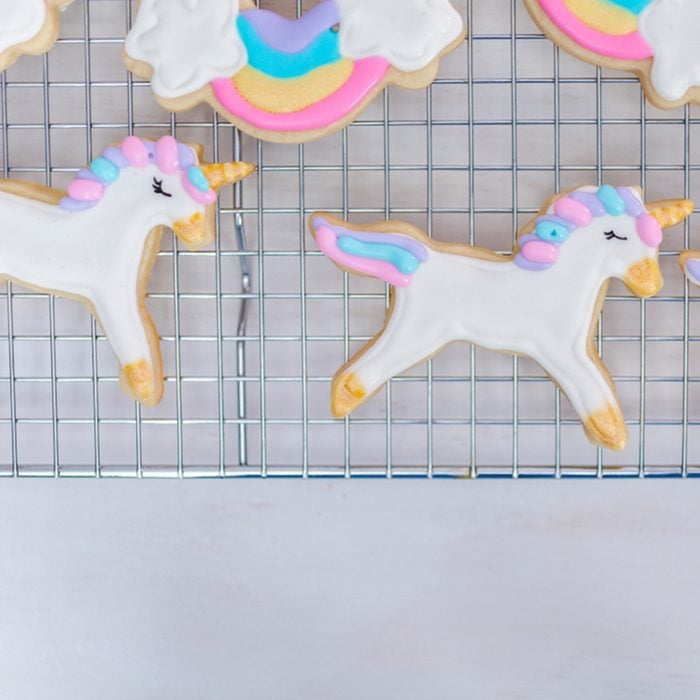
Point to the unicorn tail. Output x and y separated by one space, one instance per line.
690 264
394 258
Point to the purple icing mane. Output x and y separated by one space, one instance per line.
539 250
90 184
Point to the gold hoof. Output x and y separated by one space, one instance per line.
607 428
140 380
348 394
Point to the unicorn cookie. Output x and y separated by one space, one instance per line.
288 80
543 301
98 242
656 39
28 26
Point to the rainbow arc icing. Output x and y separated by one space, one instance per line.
301 58
606 27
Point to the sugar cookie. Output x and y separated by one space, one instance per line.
28 27
288 80
543 301
98 242
656 39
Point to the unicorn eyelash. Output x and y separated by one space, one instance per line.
158 188
610 235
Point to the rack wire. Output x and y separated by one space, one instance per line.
254 327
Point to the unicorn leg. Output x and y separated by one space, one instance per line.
398 348
591 395
131 333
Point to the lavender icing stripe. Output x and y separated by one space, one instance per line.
522 262
293 36
85 174
693 268
406 242
589 200
632 205
73 205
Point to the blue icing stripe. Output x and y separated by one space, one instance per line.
322 51
406 263
105 170
198 179
552 231
611 200
633 6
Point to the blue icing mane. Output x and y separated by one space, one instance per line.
320 52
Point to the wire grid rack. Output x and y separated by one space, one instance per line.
254 328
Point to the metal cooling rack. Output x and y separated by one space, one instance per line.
254 327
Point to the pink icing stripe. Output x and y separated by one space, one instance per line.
167 157
649 231
568 208
327 242
366 75
205 198
631 47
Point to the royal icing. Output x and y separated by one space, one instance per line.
636 30
409 34
691 266
187 43
339 54
672 29
91 246
21 21
540 302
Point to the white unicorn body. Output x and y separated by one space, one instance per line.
546 312
102 251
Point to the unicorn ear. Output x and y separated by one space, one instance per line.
220 174
690 262
671 212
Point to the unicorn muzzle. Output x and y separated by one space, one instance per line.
644 278
197 231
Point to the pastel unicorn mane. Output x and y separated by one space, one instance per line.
539 249
170 156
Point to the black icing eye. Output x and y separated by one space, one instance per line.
158 188
611 235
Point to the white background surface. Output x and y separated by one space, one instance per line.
339 591
365 590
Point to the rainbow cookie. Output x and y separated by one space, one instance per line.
543 301
97 242
288 80
656 39
28 27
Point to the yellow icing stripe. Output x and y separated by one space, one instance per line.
603 16
283 95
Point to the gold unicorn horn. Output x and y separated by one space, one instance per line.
220 174
671 211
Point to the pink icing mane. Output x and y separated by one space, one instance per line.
170 157
540 250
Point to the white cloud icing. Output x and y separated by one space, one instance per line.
672 29
410 34
21 20
188 43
